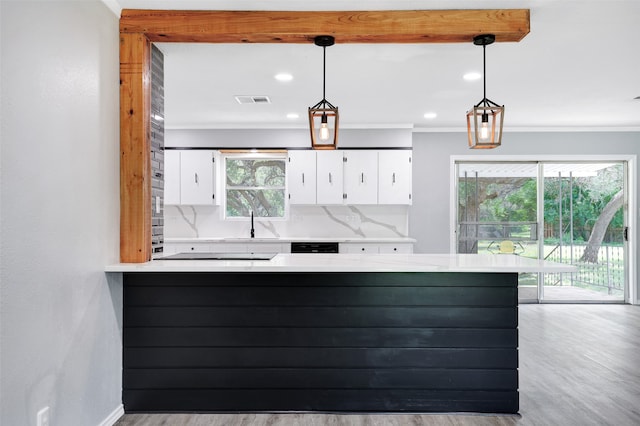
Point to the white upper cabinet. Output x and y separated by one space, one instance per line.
171 177
329 177
189 177
320 177
394 177
361 177
196 177
301 177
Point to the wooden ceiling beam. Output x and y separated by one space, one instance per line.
384 26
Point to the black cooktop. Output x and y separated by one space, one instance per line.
219 256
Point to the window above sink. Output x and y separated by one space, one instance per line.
254 183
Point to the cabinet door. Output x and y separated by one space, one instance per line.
401 248
358 248
329 174
301 177
361 177
196 177
394 177
265 248
195 247
171 177
229 248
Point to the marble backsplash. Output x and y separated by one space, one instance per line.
377 221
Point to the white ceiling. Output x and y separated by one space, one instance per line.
578 69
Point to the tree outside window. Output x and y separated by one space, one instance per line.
255 183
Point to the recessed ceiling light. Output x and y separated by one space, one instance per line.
293 116
430 115
283 76
471 76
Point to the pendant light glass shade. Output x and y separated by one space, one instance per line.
323 122
484 126
484 120
323 116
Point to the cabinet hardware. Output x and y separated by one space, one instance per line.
394 178
344 196
196 176
330 177
303 178
362 177
626 233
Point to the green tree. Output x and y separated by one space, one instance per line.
591 204
255 186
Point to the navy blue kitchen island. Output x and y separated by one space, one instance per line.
427 335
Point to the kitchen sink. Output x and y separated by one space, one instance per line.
219 256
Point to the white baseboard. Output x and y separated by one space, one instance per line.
113 417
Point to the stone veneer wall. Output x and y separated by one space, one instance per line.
157 149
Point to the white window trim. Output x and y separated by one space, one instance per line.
251 156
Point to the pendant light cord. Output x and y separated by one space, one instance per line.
484 72
324 42
324 71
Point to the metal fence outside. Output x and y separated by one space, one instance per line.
606 275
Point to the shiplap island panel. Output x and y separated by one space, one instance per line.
347 333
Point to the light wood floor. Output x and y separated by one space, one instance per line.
579 365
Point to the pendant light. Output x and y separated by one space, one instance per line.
323 117
484 120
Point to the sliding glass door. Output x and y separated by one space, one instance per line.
565 212
584 225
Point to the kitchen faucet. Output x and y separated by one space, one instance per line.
253 231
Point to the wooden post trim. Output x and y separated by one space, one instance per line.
135 148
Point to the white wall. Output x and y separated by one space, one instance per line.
429 216
60 336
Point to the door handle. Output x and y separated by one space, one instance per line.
303 178
196 177
362 177
330 177
394 178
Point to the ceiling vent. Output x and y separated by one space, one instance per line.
253 99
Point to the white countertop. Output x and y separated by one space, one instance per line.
292 239
354 263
